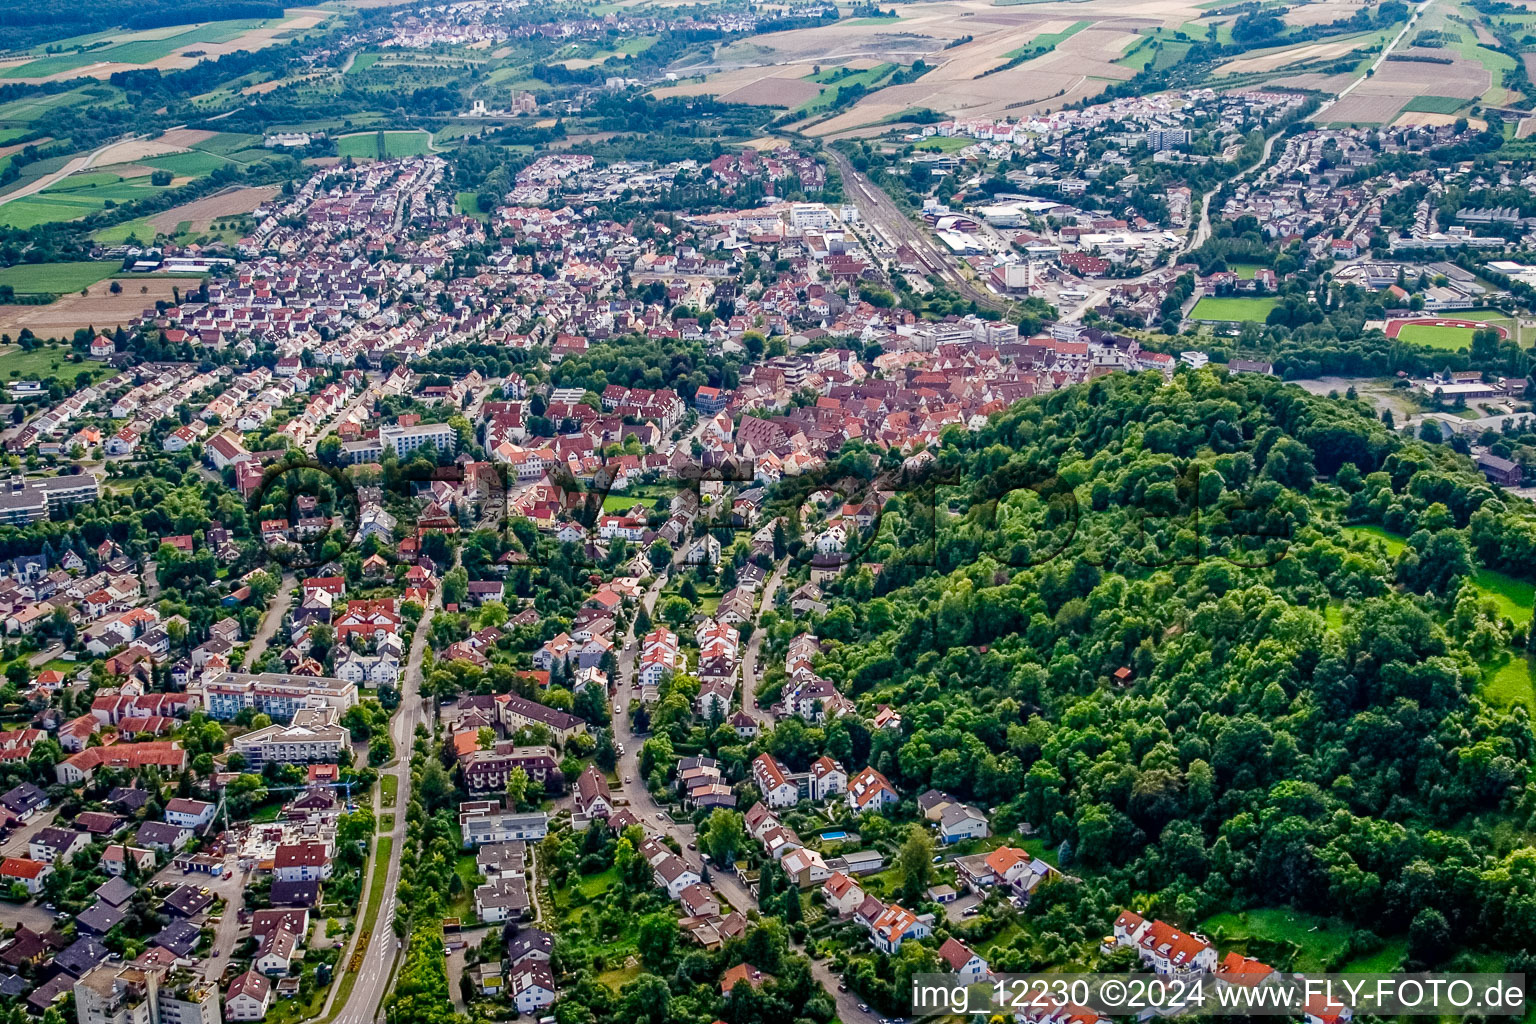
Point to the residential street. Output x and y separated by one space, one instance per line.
373 976
749 673
273 618
632 789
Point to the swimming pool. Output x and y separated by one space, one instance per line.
834 835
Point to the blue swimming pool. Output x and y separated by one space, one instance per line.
834 835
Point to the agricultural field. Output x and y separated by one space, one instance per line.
1434 105
55 278
100 308
1232 310
164 49
383 145
840 78
77 196
30 109
772 68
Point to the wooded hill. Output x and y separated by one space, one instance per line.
1314 733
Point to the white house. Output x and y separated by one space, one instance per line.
1164 948
189 813
842 893
962 961
274 957
248 997
532 986
772 781
674 876
895 925
961 821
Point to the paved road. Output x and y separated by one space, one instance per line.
632 788
368 991
273 618
16 845
749 674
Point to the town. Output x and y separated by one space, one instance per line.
611 512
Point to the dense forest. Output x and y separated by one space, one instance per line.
1305 722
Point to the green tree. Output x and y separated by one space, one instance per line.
914 862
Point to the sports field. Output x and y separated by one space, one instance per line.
1449 338
1448 334
35 278
1232 310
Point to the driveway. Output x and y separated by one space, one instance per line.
956 911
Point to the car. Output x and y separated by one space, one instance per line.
842 986
970 911
660 816
628 780
938 857
863 1008
693 846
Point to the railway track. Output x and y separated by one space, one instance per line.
881 211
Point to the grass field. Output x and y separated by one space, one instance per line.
1054 39
36 278
1244 271
42 363
389 790
1169 55
828 77
951 144
1316 941
383 145
469 203
1435 104
1448 338
33 108
1513 598
133 51
363 62
1383 961
1508 683
1391 541
1232 310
